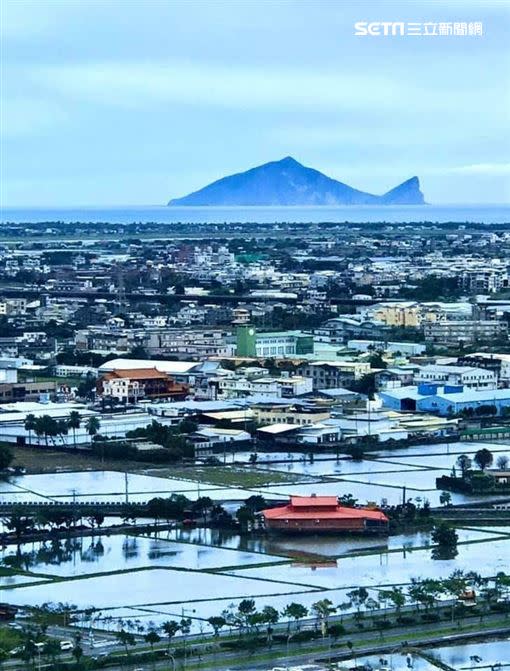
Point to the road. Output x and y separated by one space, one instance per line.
290 654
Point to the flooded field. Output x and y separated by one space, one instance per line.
397 567
154 576
488 655
102 554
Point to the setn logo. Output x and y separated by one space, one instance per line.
379 28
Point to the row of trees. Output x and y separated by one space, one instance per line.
50 428
21 524
423 597
483 459
172 438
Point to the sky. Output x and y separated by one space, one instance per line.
107 102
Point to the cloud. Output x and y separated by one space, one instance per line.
489 169
21 116
138 84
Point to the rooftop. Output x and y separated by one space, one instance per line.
138 373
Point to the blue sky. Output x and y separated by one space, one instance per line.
131 102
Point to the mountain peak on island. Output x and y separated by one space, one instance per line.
288 182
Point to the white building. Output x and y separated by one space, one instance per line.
265 386
467 376
13 416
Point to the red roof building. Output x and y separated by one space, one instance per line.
130 386
322 514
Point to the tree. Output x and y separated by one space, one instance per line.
217 623
246 609
51 650
77 653
323 609
502 463
126 639
376 361
93 425
74 422
152 637
19 523
245 517
483 458
296 612
398 598
445 499
358 597
6 457
170 627
464 463
46 426
446 538
30 425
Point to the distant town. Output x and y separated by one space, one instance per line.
291 440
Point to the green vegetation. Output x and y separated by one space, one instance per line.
472 481
232 476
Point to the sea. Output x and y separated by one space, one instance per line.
392 214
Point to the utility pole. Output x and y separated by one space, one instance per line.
126 489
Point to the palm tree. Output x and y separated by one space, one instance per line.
74 422
62 429
323 609
45 426
92 426
39 428
30 424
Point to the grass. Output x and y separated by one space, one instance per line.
39 460
232 476
24 376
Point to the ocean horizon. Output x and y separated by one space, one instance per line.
484 214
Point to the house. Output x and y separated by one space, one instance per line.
404 348
237 386
467 376
129 386
322 514
501 477
461 332
333 374
209 440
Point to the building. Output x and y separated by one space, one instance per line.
27 391
445 400
235 386
292 413
456 333
210 440
322 514
485 281
467 376
344 328
130 386
499 364
333 374
13 429
404 348
63 370
408 314
279 344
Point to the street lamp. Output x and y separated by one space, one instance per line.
183 619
